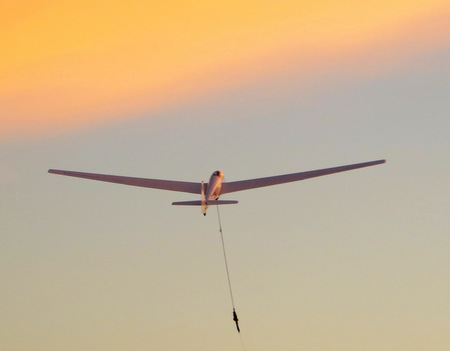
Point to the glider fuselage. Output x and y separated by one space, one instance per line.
214 186
212 190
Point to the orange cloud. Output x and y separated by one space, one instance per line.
66 64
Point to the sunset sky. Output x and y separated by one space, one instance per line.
178 89
86 62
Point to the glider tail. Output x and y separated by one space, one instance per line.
204 204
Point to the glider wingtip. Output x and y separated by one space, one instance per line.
377 162
56 171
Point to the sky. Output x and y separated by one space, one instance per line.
175 90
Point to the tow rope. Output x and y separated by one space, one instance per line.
235 317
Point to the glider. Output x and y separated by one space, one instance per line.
211 191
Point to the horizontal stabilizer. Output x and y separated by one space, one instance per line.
208 203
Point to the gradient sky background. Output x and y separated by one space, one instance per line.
354 261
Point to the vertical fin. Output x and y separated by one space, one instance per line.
204 205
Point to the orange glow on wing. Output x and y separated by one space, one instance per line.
66 64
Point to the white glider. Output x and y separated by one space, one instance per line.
211 191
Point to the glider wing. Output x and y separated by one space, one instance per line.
186 187
286 178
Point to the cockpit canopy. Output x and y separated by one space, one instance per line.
218 173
